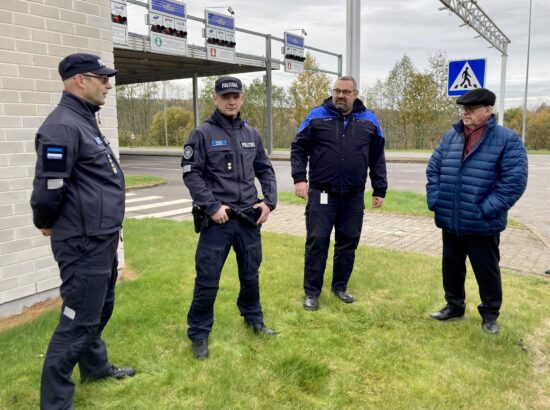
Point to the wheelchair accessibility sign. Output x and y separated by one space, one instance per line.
465 75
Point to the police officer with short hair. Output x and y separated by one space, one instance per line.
78 201
221 160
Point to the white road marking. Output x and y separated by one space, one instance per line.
173 212
142 199
158 205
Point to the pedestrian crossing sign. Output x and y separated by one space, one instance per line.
465 75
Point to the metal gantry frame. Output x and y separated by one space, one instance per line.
268 60
268 77
473 16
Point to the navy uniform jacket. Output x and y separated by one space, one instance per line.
472 196
220 161
78 187
340 149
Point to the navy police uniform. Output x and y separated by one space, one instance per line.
221 160
340 149
78 193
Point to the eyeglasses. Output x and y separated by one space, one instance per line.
347 93
470 108
103 78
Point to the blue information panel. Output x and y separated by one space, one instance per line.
295 40
214 19
168 7
465 75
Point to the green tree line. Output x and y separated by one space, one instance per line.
412 107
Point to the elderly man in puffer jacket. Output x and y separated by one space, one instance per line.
475 175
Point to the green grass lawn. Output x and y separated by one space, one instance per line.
396 202
381 352
399 202
142 181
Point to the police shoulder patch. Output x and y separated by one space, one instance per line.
188 152
54 158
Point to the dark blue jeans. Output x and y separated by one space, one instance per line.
215 241
484 256
88 268
344 212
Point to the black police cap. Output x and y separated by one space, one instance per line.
226 85
479 96
80 63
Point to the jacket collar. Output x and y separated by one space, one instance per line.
223 121
491 123
78 105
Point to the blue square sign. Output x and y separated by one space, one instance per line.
465 75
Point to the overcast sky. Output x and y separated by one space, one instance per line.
391 28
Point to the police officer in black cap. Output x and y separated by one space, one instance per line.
475 175
78 201
221 160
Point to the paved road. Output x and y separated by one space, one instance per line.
524 250
532 209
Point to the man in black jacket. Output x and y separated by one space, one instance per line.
221 160
339 140
78 201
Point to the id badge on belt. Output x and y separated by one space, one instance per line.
324 198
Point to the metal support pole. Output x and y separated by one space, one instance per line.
195 100
269 96
524 124
353 39
165 121
502 89
340 60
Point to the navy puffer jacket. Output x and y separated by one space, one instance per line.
473 195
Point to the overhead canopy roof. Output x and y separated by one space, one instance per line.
137 64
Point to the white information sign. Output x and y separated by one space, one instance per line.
294 53
167 21
162 43
220 37
119 21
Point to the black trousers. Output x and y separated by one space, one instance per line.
215 242
88 267
344 213
484 256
